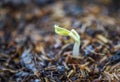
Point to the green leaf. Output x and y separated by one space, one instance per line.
61 31
64 32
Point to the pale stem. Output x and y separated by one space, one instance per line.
76 49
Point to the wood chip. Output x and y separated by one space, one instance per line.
102 38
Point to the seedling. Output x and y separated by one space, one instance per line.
73 34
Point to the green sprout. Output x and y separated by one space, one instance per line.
73 34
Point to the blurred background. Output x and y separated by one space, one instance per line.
18 14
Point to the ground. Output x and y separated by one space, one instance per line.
31 51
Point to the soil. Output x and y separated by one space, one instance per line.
31 51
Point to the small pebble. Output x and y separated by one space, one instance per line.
60 68
88 50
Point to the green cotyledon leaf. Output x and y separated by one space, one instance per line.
64 32
61 31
